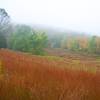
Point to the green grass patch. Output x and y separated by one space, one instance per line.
76 61
53 58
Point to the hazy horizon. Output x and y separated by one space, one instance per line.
76 15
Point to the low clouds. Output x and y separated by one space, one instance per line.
78 15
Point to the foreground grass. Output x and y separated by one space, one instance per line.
47 78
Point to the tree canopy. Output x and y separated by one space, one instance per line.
26 39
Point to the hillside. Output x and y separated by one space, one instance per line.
30 77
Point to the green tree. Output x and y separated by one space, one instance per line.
3 41
39 41
92 44
20 39
75 45
26 40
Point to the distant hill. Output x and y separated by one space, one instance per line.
50 30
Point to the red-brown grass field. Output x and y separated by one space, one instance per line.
30 77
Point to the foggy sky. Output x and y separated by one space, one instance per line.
76 15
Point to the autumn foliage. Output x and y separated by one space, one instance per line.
28 77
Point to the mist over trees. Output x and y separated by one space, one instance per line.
25 38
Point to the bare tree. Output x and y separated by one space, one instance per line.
4 27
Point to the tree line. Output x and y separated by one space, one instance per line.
89 44
25 38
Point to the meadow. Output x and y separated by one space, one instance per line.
29 77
